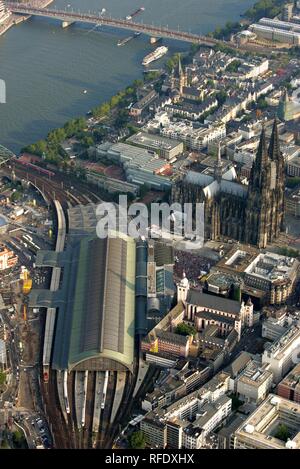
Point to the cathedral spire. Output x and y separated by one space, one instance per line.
218 166
274 148
262 154
219 154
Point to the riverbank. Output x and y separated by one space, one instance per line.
15 19
47 68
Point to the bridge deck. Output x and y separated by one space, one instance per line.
71 16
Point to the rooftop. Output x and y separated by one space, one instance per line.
197 297
293 378
272 267
95 320
154 141
260 425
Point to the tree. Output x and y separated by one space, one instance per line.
19 440
267 8
4 444
282 432
289 252
221 97
56 136
262 103
185 329
172 62
137 83
2 378
150 76
121 119
15 196
233 66
137 440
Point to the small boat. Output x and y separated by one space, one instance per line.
135 13
124 41
84 91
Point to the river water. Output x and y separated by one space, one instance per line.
47 68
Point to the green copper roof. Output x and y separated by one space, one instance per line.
96 319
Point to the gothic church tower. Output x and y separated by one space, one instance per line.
265 204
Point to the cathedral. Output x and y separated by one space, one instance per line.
253 213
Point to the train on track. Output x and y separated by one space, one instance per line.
34 167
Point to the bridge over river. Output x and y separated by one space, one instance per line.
68 16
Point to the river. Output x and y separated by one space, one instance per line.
47 68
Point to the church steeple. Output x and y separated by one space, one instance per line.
274 150
261 163
258 211
262 154
182 76
218 167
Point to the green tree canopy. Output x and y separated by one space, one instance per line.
137 440
2 378
282 432
267 8
185 329
19 439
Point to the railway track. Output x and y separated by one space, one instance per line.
54 414
67 434
56 187
72 414
104 429
90 399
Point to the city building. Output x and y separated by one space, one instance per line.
276 30
288 10
274 274
204 310
143 104
293 167
268 278
289 107
276 325
281 354
175 387
166 342
141 166
278 24
155 287
95 303
164 147
155 431
111 185
3 224
254 383
188 421
7 258
259 430
195 138
4 13
289 387
226 433
191 111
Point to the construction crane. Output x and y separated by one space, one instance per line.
27 281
